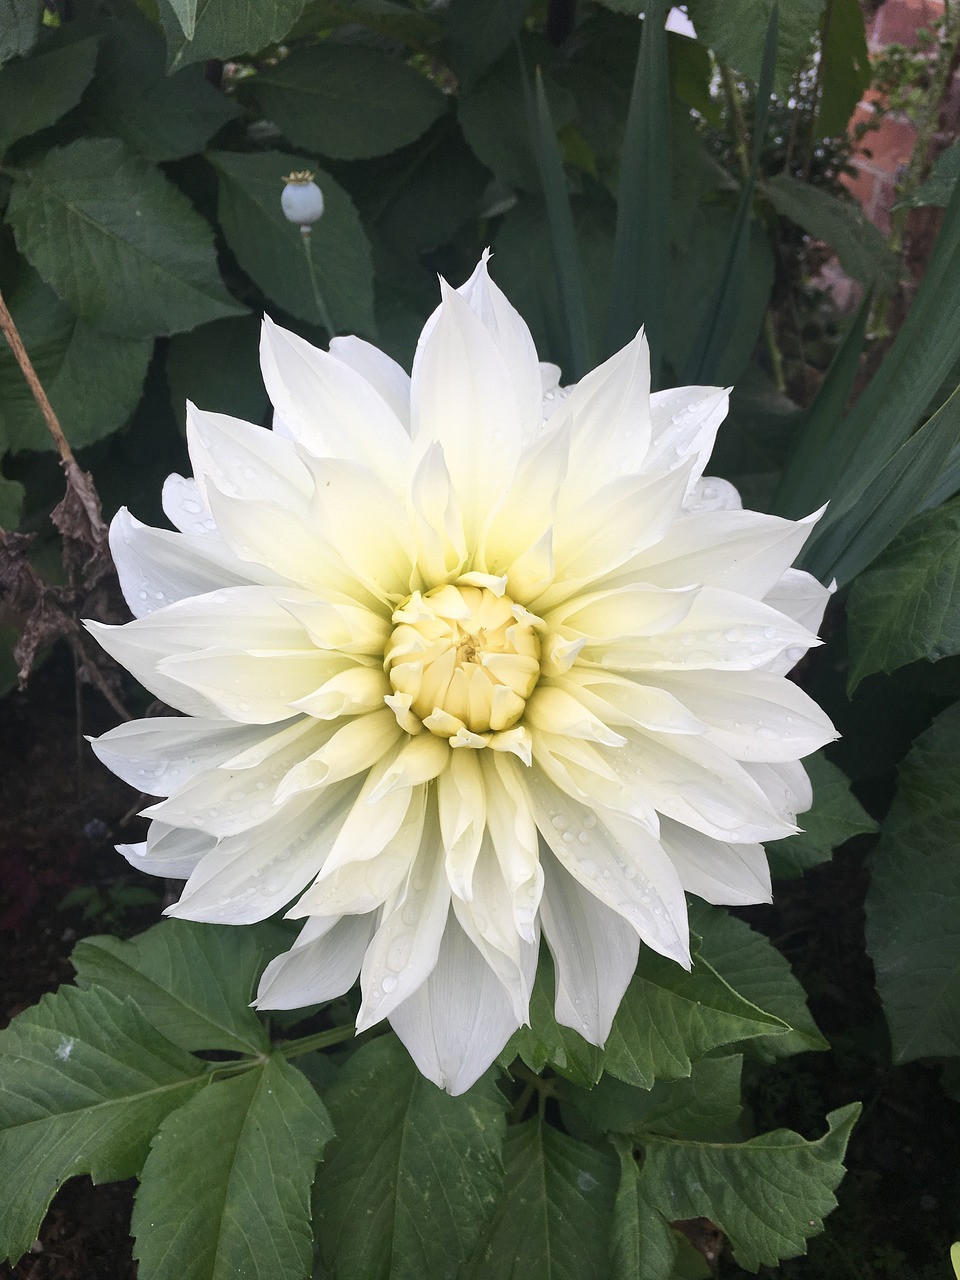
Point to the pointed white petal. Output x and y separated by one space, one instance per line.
683 424
245 461
321 965
711 493
185 506
438 524
162 753
733 875
168 851
801 597
786 786
463 816
352 749
386 377
459 1019
594 953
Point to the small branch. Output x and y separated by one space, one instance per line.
12 336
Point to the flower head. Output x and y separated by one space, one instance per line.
463 659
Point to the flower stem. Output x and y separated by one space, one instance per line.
315 285
322 1040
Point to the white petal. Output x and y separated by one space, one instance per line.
386 377
463 815
441 546
329 408
786 786
168 851
456 1023
711 493
245 461
801 597
683 425
735 875
352 749
162 753
355 691
594 953
321 965
526 511
262 687
185 506
618 700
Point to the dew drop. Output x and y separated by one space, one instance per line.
588 867
389 982
734 635
583 838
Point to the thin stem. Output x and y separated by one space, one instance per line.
322 1040
315 285
736 117
12 335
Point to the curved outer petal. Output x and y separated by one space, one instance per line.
163 753
168 851
729 874
321 965
386 377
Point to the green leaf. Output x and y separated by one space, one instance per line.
643 1246
272 252
223 28
218 367
348 101
386 17
132 98
194 982
907 606
768 1195
244 1208
12 494
913 905
93 379
544 1042
86 1082
846 71
670 1017
753 966
19 27
863 251
553 1218
641 247
477 35
835 817
735 29
941 180
37 92
141 260
413 1174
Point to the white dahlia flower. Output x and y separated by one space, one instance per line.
463 658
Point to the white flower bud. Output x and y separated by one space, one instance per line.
302 199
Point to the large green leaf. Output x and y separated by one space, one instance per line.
11 504
218 367
223 28
846 72
132 98
271 249
553 1218
86 1082
243 1209
544 1042
941 180
734 31
913 906
93 379
753 966
907 606
413 1174
19 27
38 91
836 816
477 34
863 251
348 101
194 982
642 1244
141 261
768 1195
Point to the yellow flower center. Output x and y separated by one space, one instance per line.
461 657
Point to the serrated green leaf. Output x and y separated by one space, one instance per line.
734 31
141 260
544 1042
554 1215
348 101
161 117
846 71
11 504
19 27
223 28
271 249
863 251
768 1195
476 35
38 91
753 966
642 1244
244 1208
93 379
218 367
913 904
669 1018
193 982
836 816
413 1174
907 605
86 1082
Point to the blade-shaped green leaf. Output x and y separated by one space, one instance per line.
86 1082
768 1195
271 249
194 982
641 247
753 966
93 379
141 259
563 236
913 905
553 1218
907 606
846 71
941 180
836 816
413 1174
38 91
223 28
851 536
348 101
160 116
244 1208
